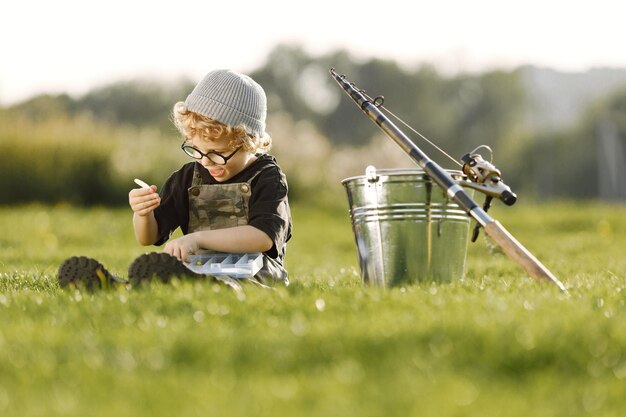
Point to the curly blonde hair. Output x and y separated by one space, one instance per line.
190 124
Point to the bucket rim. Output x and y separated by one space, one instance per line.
389 172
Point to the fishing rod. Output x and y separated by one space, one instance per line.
487 177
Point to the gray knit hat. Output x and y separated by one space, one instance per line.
232 99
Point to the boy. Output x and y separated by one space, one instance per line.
231 198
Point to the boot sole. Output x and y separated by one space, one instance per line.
160 266
80 270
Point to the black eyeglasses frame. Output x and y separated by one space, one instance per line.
192 152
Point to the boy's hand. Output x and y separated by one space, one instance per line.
144 200
182 247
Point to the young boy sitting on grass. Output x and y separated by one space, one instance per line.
232 197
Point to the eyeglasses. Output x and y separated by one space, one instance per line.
214 157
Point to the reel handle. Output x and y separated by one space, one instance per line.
508 197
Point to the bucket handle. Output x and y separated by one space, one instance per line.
371 174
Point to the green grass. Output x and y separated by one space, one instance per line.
496 343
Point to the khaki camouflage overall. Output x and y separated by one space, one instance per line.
218 206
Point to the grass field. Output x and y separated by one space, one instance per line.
496 343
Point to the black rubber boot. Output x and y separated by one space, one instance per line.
158 265
80 270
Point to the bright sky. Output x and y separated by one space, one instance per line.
73 45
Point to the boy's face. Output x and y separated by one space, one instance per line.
235 163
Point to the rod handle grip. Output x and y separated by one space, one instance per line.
520 254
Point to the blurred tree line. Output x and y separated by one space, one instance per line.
130 120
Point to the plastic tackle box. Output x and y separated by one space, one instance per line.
235 265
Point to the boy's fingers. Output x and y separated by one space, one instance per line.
149 198
144 207
143 191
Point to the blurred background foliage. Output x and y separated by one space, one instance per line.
553 135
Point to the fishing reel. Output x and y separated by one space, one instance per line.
487 179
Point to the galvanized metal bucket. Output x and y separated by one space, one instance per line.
406 228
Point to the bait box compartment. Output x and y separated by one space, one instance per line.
235 265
